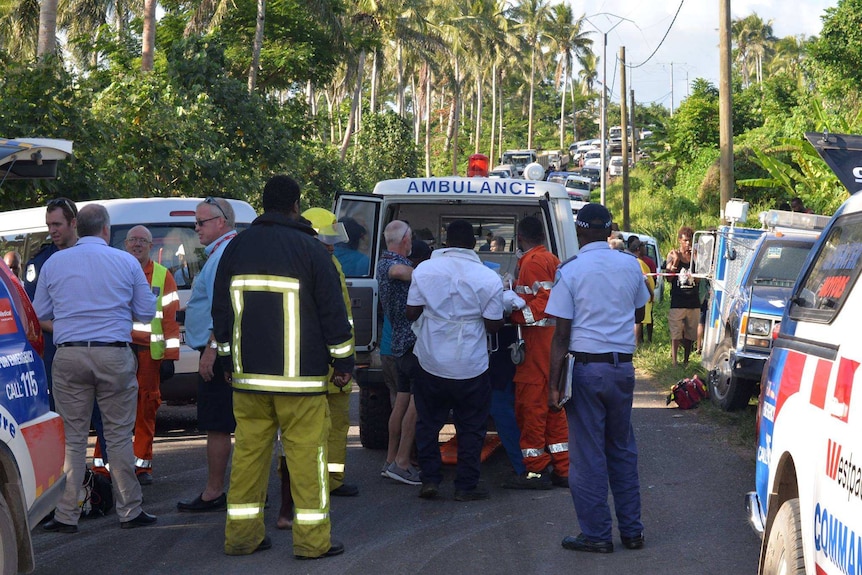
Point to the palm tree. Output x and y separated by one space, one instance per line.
19 29
753 39
148 38
47 44
533 18
571 42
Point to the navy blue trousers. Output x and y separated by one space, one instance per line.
602 450
470 401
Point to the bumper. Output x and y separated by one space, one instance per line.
754 512
747 366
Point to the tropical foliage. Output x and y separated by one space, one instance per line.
215 96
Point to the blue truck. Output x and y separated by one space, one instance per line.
751 273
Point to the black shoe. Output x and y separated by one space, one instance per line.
581 543
335 548
429 491
262 546
55 526
475 494
145 478
142 520
265 544
633 542
559 481
529 480
198 505
345 490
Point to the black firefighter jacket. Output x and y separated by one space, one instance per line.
278 309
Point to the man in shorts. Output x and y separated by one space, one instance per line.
214 223
684 314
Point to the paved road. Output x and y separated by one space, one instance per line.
692 485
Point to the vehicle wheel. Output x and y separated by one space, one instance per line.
374 411
8 542
784 547
726 390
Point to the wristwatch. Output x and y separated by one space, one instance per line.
213 344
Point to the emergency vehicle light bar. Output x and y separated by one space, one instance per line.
792 220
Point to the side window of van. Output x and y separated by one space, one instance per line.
834 271
174 246
355 254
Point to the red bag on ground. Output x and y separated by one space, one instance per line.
688 392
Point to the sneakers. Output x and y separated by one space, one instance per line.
529 480
385 467
410 476
429 491
478 493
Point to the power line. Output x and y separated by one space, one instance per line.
681 2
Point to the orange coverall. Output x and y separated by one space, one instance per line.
544 434
149 396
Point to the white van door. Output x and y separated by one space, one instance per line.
360 214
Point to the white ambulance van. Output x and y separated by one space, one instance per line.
494 207
175 246
808 499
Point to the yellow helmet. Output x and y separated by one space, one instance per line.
329 230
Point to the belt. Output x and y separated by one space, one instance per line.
610 357
94 344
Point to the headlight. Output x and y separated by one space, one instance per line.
761 327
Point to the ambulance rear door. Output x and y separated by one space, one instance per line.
360 214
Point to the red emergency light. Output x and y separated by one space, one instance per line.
477 166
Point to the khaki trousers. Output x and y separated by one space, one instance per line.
106 374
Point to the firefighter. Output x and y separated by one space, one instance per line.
280 322
544 433
329 232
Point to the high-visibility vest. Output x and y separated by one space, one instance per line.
154 328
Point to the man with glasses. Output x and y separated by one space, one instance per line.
214 224
155 342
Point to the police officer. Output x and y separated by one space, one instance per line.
278 311
597 298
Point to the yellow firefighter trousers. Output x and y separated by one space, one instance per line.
339 415
304 421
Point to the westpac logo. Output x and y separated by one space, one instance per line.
843 471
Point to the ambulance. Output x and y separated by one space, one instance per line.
807 504
493 205
32 440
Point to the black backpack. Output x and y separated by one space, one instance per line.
97 497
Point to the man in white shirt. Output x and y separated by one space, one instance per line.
455 300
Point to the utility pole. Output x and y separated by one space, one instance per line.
635 137
603 119
725 108
624 124
671 88
603 122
